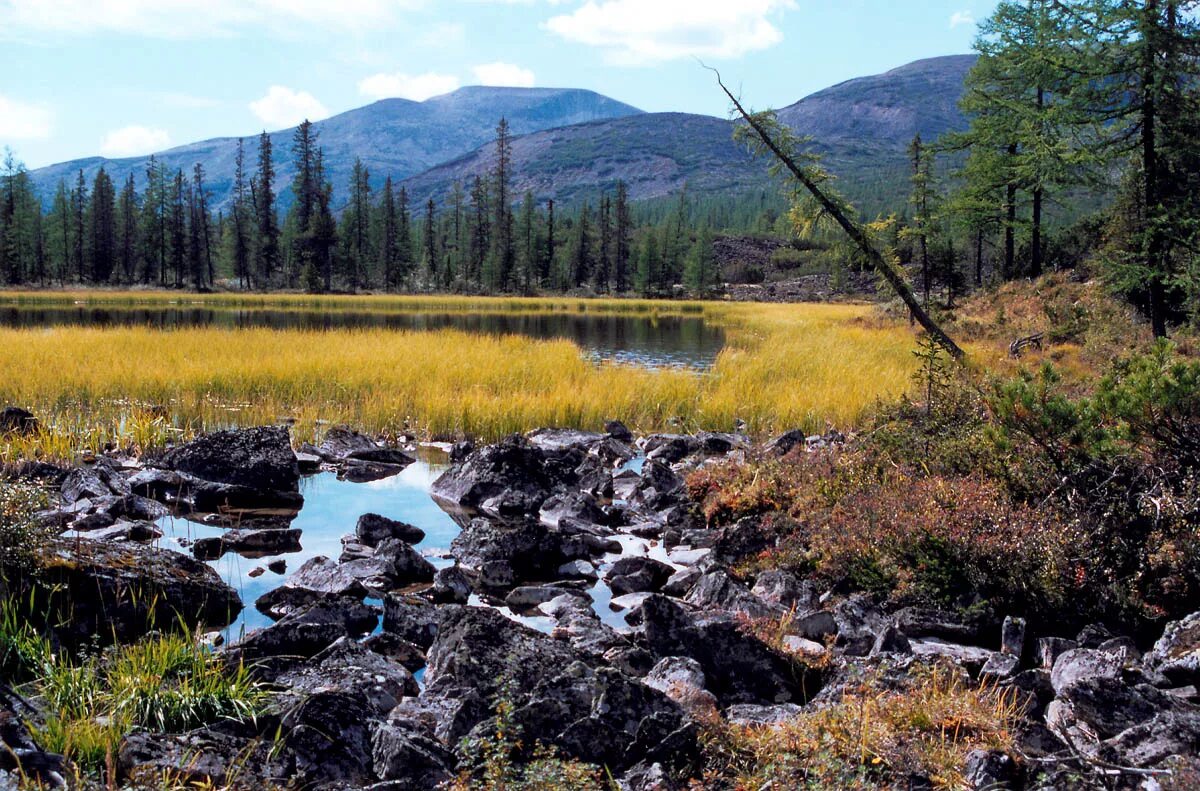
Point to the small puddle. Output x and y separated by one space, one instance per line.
331 510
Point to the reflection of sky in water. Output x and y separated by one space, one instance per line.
331 509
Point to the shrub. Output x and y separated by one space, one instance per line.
21 537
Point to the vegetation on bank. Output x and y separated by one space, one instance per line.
783 366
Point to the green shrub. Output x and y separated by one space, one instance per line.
21 537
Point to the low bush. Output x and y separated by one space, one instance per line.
21 536
874 736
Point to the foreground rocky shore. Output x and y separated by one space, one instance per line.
385 667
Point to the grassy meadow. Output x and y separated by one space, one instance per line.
783 366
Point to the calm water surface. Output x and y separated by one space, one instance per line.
669 341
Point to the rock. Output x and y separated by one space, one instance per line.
577 570
358 471
759 715
816 625
999 667
738 667
342 444
670 448
681 679
922 622
308 463
326 742
679 583
858 622
530 549
409 760
969 657
20 754
1101 707
211 756
558 440
308 631
1152 743
1177 653
618 431
740 540
450 586
278 566
373 528
120 590
717 591
91 483
721 442
134 507
1051 648
513 469
809 649
163 486
14 420
612 452
596 714
396 649
125 531
349 666
412 619
211 497
658 486
786 442
249 543
1124 648
529 596
1092 635
575 505
1082 664
254 458
637 575
402 563
785 589
318 579
891 641
496 574
991 770
1012 636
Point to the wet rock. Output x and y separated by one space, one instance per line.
278 566
559 440
318 579
308 463
94 482
637 575
612 451
1176 655
410 618
254 458
529 596
212 497
256 543
125 531
342 444
396 649
373 528
134 507
679 583
163 486
119 590
573 505
577 570
14 420
401 563
450 586
670 448
513 469
360 471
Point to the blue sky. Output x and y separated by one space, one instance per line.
126 77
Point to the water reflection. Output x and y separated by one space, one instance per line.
664 341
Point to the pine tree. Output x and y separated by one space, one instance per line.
59 233
604 253
199 233
649 266
128 246
547 263
177 232
102 231
357 225
622 242
527 243
502 254
581 261
700 273
405 262
480 233
79 200
240 214
429 243
266 246
386 238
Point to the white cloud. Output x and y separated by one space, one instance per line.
283 107
504 75
418 87
639 32
960 18
130 141
196 18
24 121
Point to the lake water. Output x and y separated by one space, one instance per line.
666 341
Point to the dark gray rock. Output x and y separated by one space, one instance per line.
125 531
402 564
14 420
785 589
1012 636
1051 648
410 618
1177 653
93 482
409 760
349 666
317 580
734 542
254 458
513 469
991 770
785 443
450 586
670 448
373 528
249 543
891 641
308 631
1082 664
658 487
573 505
717 591
637 575
618 431
558 440
342 444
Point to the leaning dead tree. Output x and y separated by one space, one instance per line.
767 135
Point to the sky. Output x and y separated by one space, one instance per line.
128 77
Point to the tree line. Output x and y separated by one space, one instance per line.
1067 100
480 238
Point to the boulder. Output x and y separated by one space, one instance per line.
20 754
574 505
681 679
785 589
450 586
124 531
410 618
318 579
1177 653
349 666
93 482
762 715
211 756
1012 636
249 543
595 714
991 770
670 448
972 658
409 760
742 539
785 443
527 597
343 444
255 458
402 563
513 470
14 420
559 440
618 431
658 487
717 591
308 631
1082 664
121 590
373 528
637 575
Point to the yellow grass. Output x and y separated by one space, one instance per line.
784 366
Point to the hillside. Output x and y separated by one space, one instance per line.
570 144
393 137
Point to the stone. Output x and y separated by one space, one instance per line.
409 760
1082 664
349 666
577 570
373 528
618 431
248 543
971 658
809 649
529 596
1051 648
670 448
119 590
858 622
396 649
891 641
718 591
513 468
999 667
558 440
991 770
762 715
658 486
740 540
575 505
679 583
305 632
402 563
14 420
785 443
637 575
1176 654
255 458
450 586
91 483
681 679
816 625
1012 636
319 578
410 618
785 589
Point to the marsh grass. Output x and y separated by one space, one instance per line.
783 366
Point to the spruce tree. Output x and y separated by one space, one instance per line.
128 247
266 247
102 231
622 239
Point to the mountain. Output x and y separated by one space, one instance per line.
571 144
393 137
862 129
